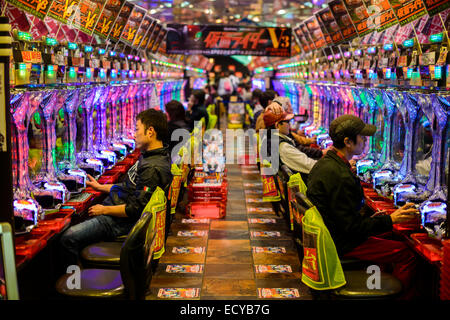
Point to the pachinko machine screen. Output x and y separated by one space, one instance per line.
199 83
258 84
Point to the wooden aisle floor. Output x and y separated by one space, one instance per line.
248 255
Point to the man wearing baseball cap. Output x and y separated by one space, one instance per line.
292 157
337 193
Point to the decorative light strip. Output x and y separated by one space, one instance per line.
261 70
177 66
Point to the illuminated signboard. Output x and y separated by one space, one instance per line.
228 40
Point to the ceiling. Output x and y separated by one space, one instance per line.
251 12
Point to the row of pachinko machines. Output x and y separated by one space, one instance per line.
406 160
59 135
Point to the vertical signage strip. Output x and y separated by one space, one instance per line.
343 19
132 25
87 15
117 29
108 17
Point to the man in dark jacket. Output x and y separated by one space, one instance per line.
126 201
337 193
196 108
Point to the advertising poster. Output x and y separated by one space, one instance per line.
148 34
161 36
35 7
381 15
408 11
38 28
54 28
228 40
63 10
325 33
142 31
307 36
132 25
17 18
343 20
107 17
436 6
359 15
87 15
154 36
315 32
330 24
121 21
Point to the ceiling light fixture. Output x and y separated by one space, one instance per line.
281 11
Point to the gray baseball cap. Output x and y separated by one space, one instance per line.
348 124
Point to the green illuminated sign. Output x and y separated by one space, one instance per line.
436 37
438 72
72 45
24 36
408 43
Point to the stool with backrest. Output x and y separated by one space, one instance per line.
270 185
298 212
108 254
284 174
294 184
131 282
322 270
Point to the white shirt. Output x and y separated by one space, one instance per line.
293 158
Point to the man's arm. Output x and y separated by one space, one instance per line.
91 182
335 197
115 211
295 159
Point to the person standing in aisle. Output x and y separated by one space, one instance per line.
225 89
266 99
196 109
177 120
335 189
256 106
126 200
234 82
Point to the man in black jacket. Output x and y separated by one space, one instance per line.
196 108
126 201
336 191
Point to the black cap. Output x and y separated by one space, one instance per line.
348 124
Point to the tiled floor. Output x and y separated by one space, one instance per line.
232 261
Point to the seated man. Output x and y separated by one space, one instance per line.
337 193
126 201
292 157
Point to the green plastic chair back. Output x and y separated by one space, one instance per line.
321 267
157 205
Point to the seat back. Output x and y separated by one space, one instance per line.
321 267
137 251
